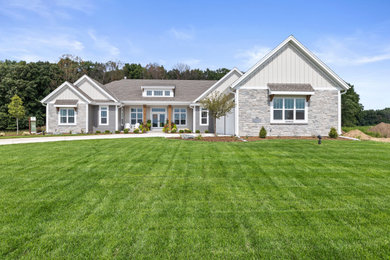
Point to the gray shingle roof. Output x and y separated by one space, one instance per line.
294 87
67 102
185 90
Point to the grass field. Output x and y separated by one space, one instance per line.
158 198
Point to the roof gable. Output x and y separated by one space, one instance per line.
94 89
222 84
63 87
291 50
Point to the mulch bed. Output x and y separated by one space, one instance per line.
253 138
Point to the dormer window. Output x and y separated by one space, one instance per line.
158 91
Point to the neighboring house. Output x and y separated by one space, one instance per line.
290 92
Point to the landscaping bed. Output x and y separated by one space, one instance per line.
252 138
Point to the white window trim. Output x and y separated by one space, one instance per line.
283 121
173 115
136 114
145 90
200 117
59 116
100 115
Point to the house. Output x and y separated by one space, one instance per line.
290 92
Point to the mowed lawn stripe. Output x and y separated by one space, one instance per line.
159 198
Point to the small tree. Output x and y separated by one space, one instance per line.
16 109
263 132
218 105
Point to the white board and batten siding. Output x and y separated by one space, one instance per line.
289 65
66 94
92 91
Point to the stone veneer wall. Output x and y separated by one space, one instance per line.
254 112
58 129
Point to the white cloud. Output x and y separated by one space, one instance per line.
182 34
191 62
251 56
103 44
351 51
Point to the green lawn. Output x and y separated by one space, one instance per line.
158 198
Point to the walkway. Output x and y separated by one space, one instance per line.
85 137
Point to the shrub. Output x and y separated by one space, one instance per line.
197 131
263 132
98 132
107 132
126 131
333 133
187 130
206 131
117 132
174 130
181 131
136 131
199 137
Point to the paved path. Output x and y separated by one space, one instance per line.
86 137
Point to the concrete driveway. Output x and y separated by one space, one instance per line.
86 137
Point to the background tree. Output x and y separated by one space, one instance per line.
133 71
350 107
218 105
16 110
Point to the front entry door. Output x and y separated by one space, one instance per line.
158 117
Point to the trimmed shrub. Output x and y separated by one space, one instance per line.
174 130
263 132
98 132
181 131
107 132
206 131
136 131
333 133
117 132
197 131
126 131
187 130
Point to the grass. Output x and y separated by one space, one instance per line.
364 129
157 198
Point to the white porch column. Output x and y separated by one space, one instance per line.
236 121
47 117
339 112
116 118
86 118
193 119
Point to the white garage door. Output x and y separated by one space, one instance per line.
225 124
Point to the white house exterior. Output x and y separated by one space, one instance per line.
290 92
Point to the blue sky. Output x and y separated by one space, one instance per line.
352 37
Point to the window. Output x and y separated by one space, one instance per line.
180 116
289 110
103 115
136 115
67 116
158 93
204 116
158 109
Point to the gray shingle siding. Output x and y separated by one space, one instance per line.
95 119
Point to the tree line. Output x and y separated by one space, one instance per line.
353 113
34 80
